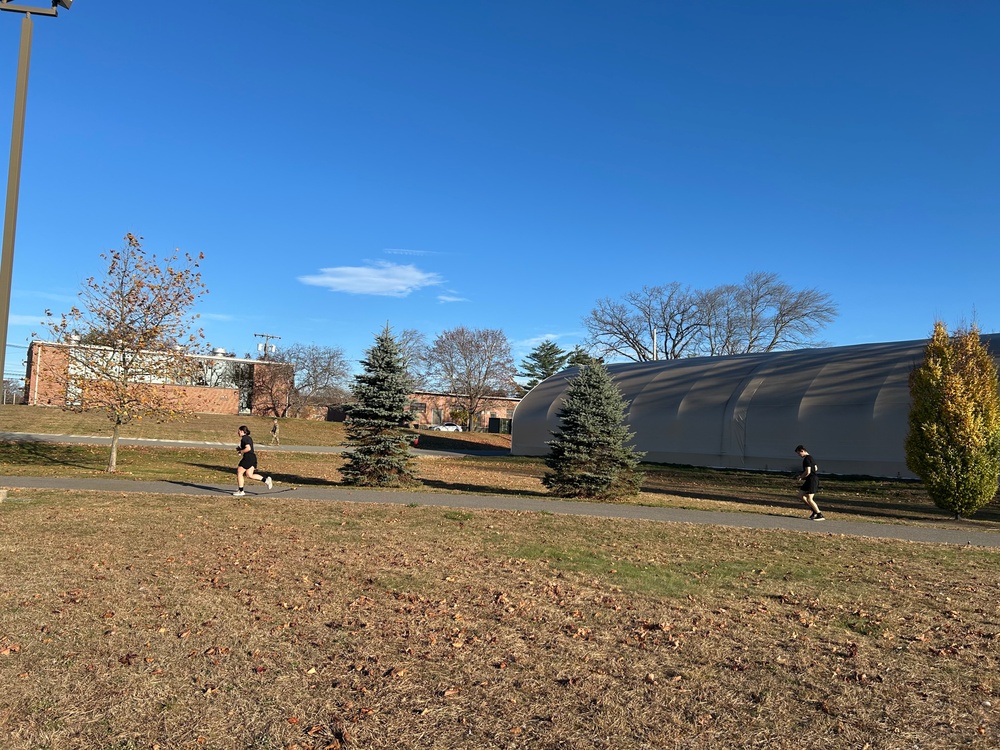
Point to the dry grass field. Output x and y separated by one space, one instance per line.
136 621
200 427
142 621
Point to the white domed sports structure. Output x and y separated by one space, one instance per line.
848 405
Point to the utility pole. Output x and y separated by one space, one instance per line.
14 170
265 347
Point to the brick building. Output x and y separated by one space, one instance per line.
430 409
221 384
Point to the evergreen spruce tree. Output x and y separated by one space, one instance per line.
953 443
379 454
580 357
542 362
590 456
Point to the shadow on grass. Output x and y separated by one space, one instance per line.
297 479
450 441
917 510
208 487
36 453
479 489
909 508
251 490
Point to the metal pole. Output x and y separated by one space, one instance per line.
267 340
14 183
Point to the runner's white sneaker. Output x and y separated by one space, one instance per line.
269 483
239 493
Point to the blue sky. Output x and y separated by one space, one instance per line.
343 165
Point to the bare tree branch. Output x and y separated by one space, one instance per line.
472 364
760 314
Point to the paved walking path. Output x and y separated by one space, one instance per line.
256 492
950 532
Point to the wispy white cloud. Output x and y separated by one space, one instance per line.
444 298
26 320
407 251
220 317
381 279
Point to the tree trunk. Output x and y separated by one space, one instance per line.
113 458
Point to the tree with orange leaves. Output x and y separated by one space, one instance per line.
131 337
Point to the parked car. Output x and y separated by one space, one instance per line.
447 427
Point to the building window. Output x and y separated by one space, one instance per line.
418 407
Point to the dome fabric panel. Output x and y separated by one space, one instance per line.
848 405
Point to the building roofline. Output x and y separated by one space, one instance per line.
458 395
194 355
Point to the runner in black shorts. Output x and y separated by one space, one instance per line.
248 462
810 482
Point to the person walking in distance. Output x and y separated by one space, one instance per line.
810 482
248 462
275 440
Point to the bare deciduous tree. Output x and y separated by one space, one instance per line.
472 364
667 314
413 346
765 314
271 387
721 321
134 334
673 312
321 373
760 314
616 329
